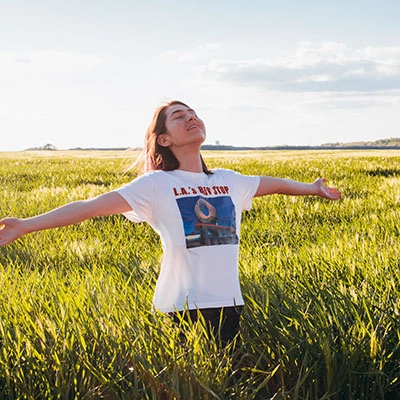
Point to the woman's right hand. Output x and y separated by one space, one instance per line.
10 230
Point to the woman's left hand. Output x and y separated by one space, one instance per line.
326 191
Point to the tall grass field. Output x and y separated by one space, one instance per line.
320 279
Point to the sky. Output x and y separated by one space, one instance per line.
90 73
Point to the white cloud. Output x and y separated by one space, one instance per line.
349 100
317 78
308 55
379 53
48 61
328 66
192 54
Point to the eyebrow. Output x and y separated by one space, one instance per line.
181 110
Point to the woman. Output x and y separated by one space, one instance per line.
196 212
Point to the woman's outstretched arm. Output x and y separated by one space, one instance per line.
68 214
269 185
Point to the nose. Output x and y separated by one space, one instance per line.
192 117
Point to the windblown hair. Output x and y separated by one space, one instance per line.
157 157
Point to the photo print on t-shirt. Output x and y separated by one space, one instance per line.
208 222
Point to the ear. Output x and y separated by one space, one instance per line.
163 140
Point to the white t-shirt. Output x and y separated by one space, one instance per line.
198 219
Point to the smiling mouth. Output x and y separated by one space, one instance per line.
192 127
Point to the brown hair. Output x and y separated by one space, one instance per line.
155 156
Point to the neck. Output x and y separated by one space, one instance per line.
189 161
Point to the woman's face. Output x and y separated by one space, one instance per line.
184 127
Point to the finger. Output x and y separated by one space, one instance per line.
335 194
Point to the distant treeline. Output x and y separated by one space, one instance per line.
382 144
389 144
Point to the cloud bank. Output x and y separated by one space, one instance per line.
326 67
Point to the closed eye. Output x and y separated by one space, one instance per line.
178 114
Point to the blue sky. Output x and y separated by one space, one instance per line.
260 73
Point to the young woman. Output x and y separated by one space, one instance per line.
196 212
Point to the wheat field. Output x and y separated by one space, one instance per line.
320 281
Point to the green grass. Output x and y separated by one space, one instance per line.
320 280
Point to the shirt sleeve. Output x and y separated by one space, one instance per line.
139 195
245 186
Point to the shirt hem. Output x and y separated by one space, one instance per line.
198 306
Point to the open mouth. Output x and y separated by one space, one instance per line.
191 127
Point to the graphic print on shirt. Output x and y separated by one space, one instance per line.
208 221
